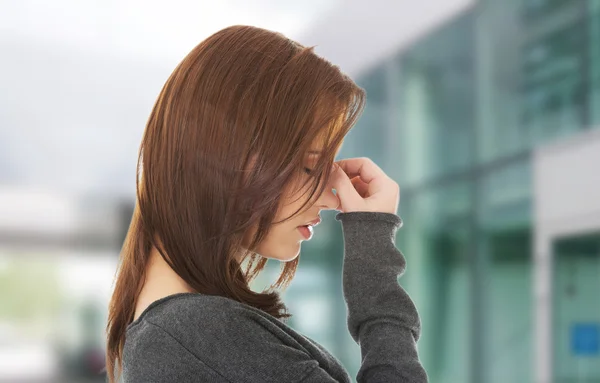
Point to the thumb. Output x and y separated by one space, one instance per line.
345 191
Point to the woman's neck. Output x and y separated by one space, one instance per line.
161 281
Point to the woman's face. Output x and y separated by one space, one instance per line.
283 240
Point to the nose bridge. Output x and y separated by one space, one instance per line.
328 200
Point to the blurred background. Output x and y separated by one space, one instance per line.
485 112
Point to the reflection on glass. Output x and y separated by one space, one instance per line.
371 131
435 241
532 64
504 222
436 103
510 327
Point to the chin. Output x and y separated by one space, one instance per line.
294 254
282 252
285 256
291 258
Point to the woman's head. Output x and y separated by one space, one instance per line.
283 238
226 168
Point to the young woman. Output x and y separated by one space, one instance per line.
236 162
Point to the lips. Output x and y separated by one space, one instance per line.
314 222
307 229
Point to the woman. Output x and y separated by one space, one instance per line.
236 162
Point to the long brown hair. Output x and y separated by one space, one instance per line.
228 132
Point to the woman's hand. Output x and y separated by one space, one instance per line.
361 185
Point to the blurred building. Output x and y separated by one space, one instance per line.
488 118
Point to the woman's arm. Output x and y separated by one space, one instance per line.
382 318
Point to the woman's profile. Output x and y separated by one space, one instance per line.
236 162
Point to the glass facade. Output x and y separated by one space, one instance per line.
504 248
594 48
454 118
533 65
436 102
435 240
373 137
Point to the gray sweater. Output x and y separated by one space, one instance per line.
191 337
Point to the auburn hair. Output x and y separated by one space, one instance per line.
226 135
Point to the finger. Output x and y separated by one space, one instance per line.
361 187
344 188
376 185
363 167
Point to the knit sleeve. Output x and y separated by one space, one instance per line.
382 318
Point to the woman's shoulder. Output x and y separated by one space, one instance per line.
180 305
186 309
186 315
221 336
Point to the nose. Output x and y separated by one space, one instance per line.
328 200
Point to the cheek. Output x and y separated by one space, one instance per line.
283 240
282 243
293 200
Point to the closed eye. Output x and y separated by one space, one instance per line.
308 171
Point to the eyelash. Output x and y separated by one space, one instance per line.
308 171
